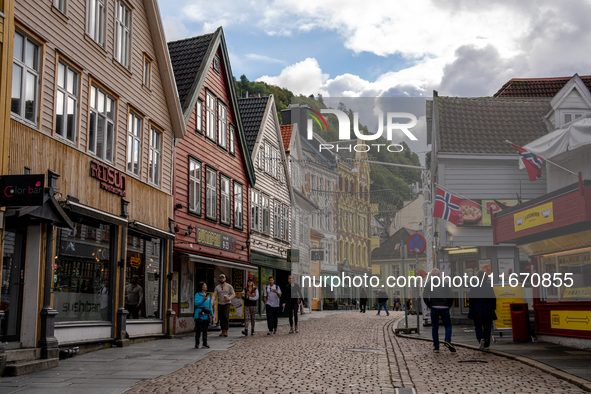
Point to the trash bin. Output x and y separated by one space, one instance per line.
520 322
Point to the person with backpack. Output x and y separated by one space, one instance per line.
251 296
382 301
291 297
202 313
272 298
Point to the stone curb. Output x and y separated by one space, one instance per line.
580 382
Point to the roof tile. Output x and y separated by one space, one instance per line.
252 112
537 87
286 135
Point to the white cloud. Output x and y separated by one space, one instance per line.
304 77
263 58
174 29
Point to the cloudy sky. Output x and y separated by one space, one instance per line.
392 48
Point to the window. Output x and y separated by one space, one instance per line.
329 253
223 125
155 155
274 163
122 23
199 116
194 186
60 5
210 105
266 214
267 158
25 78
147 72
301 230
134 144
96 21
277 220
569 117
238 215
216 64
232 143
285 226
66 105
255 210
261 159
212 193
101 128
225 200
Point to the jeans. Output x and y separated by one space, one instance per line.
436 313
272 317
249 316
383 305
483 329
362 307
224 316
201 330
292 310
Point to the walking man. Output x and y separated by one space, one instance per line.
291 298
272 298
363 301
483 304
134 297
440 299
223 294
382 301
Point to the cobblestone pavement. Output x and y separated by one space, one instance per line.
350 353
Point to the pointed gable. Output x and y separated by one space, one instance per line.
252 112
286 135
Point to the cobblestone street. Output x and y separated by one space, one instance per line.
350 353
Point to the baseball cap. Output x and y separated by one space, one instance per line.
135 277
222 276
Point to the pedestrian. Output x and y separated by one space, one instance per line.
272 298
439 300
408 304
397 305
362 301
483 303
251 296
291 298
382 301
201 315
134 297
223 295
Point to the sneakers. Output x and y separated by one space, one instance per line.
290 330
206 345
387 314
450 347
270 332
435 350
481 347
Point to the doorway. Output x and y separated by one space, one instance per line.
11 292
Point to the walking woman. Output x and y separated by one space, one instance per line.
251 296
482 310
202 312
292 295
362 301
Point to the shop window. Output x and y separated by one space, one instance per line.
194 186
101 128
143 277
66 104
134 143
82 288
238 210
25 78
225 200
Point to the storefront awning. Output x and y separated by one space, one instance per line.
153 231
264 260
221 263
94 213
558 244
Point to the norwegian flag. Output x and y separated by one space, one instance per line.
447 206
532 162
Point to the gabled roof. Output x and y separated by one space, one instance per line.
286 135
192 78
165 68
252 112
481 125
537 87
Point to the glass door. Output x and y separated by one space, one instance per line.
13 275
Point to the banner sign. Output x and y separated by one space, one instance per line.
505 297
215 239
476 212
21 190
533 217
571 320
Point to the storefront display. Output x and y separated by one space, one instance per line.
144 264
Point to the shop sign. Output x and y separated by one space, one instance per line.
579 292
476 212
506 266
293 255
505 297
215 239
135 261
571 320
533 217
317 255
574 259
237 279
112 180
21 190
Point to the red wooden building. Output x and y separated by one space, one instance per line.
213 173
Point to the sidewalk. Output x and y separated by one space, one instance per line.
115 370
574 361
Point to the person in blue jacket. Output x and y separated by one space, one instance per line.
483 303
202 312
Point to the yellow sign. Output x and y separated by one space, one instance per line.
571 320
505 297
533 217
135 262
578 292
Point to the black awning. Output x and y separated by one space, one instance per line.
49 212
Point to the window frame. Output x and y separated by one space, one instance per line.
210 117
199 116
25 70
147 59
277 222
267 157
139 139
64 6
285 223
238 224
195 183
232 140
225 200
222 128
100 24
155 130
64 91
255 210
266 220
215 64
108 94
127 29
211 170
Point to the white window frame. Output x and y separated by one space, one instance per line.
147 72
101 116
222 125
276 220
266 213
211 180
135 124
285 226
155 156
70 93
573 115
225 206
95 20
210 116
274 162
195 175
199 116
27 69
238 206
232 140
122 33
267 158
255 210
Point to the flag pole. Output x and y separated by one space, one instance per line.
457 194
551 162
